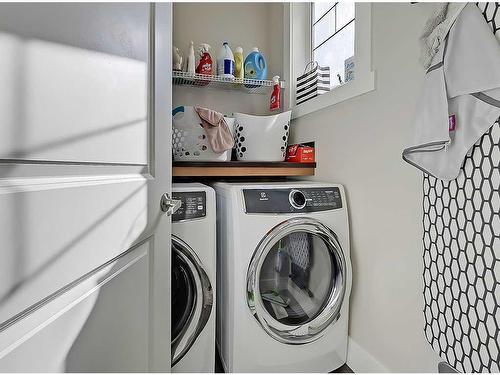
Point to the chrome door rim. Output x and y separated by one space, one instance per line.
313 329
203 305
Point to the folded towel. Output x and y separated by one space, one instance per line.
460 100
218 134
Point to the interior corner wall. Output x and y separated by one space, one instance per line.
240 24
359 144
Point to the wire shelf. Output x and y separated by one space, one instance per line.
250 86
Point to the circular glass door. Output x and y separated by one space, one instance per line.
183 295
192 298
296 280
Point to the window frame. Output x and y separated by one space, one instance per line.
298 49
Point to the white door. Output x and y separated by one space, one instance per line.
85 108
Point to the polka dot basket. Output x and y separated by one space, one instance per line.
261 138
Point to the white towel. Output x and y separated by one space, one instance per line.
436 29
460 99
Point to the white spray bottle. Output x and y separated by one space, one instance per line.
225 62
191 61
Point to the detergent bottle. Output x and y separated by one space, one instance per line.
225 62
205 65
239 70
275 102
255 65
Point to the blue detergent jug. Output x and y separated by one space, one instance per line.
255 65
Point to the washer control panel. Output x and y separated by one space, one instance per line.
193 205
280 201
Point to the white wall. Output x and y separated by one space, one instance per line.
359 144
241 24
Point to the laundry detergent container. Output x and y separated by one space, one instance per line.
261 138
189 139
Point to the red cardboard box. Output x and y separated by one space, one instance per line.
300 153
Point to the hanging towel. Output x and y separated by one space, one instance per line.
436 28
460 100
218 134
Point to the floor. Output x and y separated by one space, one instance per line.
220 369
343 369
218 364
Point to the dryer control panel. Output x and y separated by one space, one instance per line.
281 201
193 205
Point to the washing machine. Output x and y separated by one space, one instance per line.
284 276
193 279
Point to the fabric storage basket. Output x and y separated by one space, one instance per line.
312 83
261 138
189 140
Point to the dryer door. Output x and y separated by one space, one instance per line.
296 281
192 298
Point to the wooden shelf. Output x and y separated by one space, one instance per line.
241 169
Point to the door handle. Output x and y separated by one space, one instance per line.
169 205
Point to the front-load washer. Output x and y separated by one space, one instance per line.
193 278
284 276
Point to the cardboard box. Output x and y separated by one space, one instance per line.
301 153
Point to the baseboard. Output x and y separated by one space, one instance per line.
359 360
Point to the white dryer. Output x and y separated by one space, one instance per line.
284 276
193 279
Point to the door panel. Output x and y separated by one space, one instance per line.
100 219
71 94
120 348
79 319
85 108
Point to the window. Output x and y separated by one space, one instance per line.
332 34
329 33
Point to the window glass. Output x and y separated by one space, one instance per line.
334 52
333 37
321 8
345 14
324 28
183 293
297 277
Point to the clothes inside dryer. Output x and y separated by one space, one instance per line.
296 278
